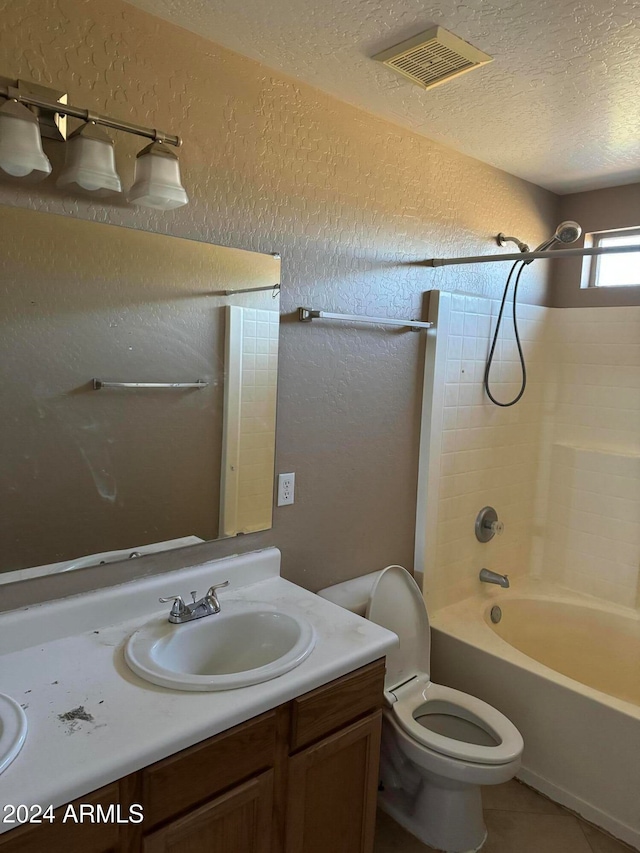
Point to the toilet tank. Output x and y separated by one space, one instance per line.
353 594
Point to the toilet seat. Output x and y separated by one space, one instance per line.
414 700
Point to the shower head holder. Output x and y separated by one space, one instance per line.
502 239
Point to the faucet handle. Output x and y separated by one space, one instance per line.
213 598
179 608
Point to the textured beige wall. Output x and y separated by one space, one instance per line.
350 201
597 210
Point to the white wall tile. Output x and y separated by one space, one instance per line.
589 482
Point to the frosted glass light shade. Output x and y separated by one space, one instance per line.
21 151
157 181
90 162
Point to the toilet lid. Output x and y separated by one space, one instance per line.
396 603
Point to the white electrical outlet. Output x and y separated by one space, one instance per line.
286 487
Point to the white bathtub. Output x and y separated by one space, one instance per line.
566 670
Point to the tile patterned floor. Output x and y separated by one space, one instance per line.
519 820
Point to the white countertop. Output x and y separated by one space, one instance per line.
69 653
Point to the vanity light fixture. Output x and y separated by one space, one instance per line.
32 109
21 153
90 162
157 179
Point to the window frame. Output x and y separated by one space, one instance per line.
591 262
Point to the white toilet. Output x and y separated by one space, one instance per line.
438 745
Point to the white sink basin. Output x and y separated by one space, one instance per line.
246 643
13 730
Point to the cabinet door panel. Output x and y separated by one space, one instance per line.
195 775
237 822
332 792
334 705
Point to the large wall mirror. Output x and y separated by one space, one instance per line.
138 391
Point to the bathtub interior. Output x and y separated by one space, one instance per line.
597 647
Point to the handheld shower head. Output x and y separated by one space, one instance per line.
566 232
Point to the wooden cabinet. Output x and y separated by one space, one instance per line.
195 775
237 822
332 706
332 792
299 779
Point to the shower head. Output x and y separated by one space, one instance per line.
566 232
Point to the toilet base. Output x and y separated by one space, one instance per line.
446 820
435 797
442 812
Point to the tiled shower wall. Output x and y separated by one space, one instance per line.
588 524
486 454
562 466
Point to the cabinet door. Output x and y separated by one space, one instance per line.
331 804
237 822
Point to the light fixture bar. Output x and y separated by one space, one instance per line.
528 256
33 100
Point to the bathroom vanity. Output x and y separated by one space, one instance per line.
289 765
301 778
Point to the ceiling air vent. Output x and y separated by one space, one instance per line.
433 57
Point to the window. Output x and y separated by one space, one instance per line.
614 270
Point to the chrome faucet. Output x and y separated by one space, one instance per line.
487 576
208 605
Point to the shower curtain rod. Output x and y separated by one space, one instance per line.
528 256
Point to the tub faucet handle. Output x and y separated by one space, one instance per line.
488 524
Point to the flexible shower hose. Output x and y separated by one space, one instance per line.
495 338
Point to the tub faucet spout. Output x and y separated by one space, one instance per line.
487 576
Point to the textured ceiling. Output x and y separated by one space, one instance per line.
559 106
